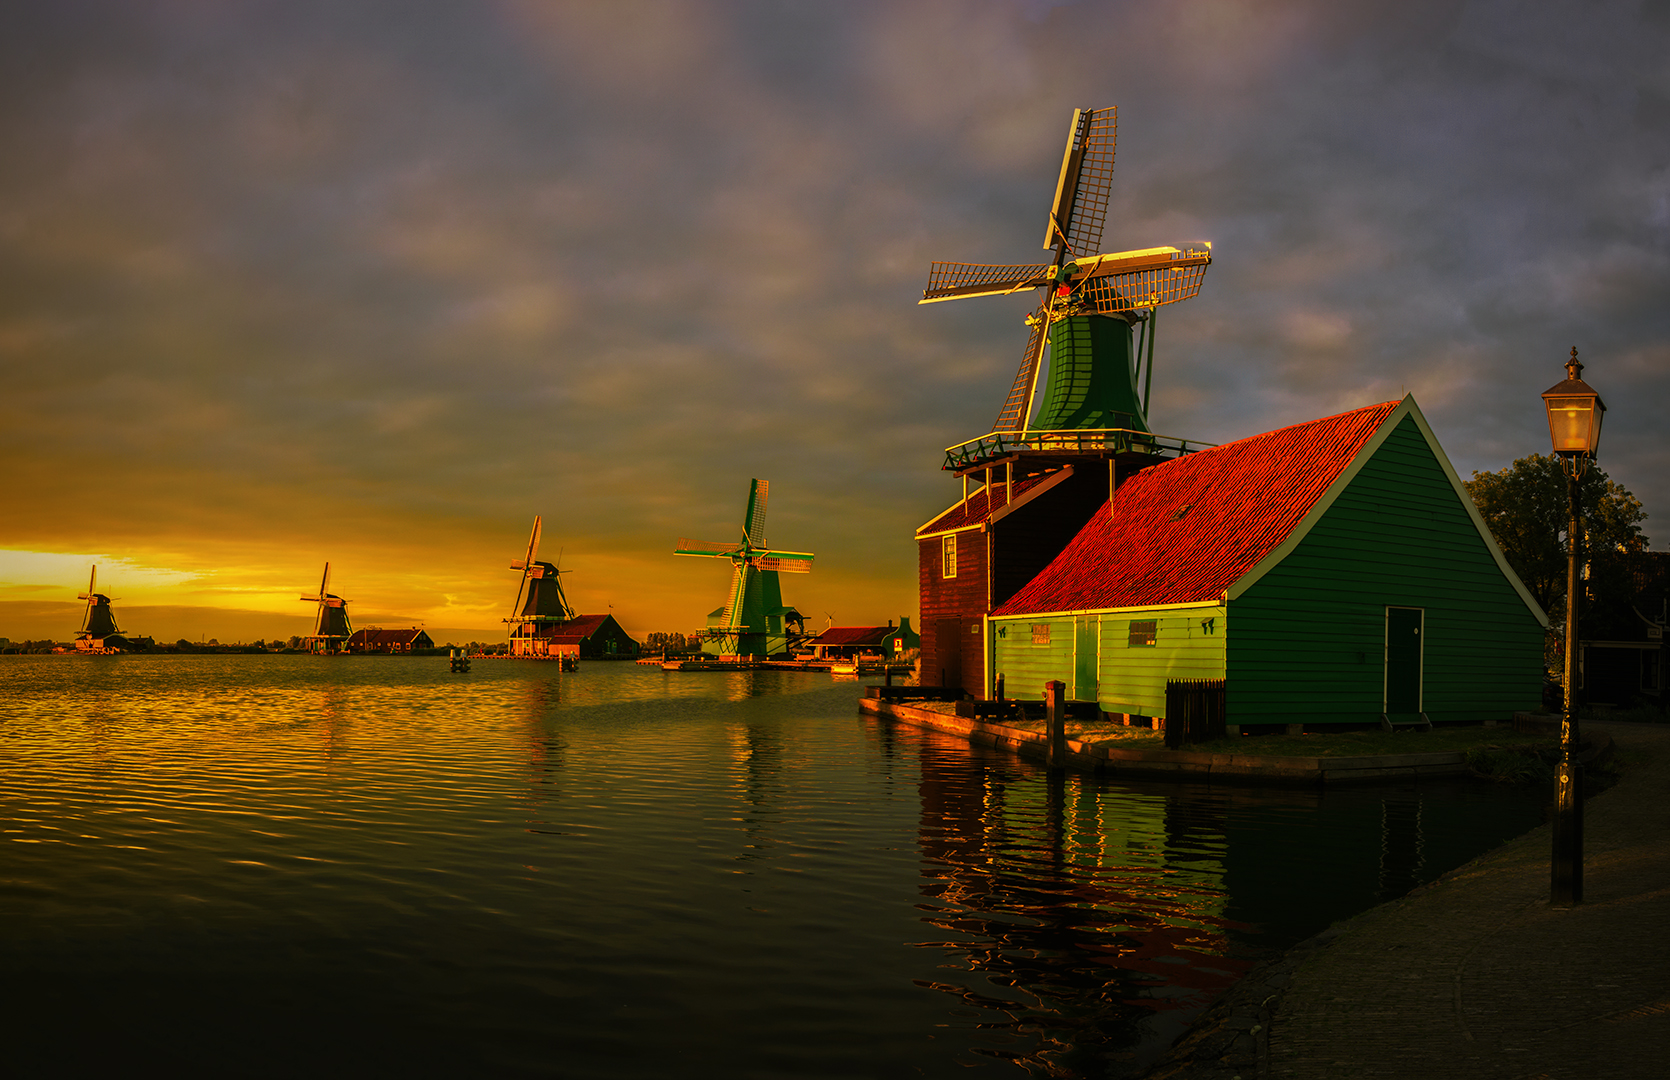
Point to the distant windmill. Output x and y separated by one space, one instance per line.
751 624
98 622
1090 302
539 603
331 633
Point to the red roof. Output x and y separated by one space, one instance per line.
574 630
853 635
1186 530
982 503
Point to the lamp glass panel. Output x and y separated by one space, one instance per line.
1594 429
1568 423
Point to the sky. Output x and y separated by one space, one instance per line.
375 283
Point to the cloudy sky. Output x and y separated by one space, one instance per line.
378 282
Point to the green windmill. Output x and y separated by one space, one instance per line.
752 624
1093 304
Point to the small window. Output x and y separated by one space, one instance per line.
1142 632
1041 633
948 555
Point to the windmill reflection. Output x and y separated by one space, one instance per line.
1077 910
756 760
545 750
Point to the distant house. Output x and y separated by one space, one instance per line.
377 640
844 642
589 637
1333 572
1622 662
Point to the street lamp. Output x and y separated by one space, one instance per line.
1574 416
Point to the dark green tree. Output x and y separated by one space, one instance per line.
1527 511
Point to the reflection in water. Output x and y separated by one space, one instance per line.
1081 909
1400 846
619 868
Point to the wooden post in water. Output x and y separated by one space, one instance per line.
1055 723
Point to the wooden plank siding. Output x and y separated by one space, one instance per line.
959 598
1307 640
1134 677
1129 679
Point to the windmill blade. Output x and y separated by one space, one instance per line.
1159 283
1013 415
710 548
733 602
533 545
1081 191
324 582
955 281
782 565
753 525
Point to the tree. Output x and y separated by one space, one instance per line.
1528 513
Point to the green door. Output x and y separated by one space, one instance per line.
1403 661
1087 652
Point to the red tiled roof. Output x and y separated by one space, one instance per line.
1186 530
574 630
981 503
853 635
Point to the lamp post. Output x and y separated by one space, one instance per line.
1574 416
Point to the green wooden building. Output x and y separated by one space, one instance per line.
1333 572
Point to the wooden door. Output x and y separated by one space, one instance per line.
1404 652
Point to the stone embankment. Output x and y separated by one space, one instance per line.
1177 764
1476 976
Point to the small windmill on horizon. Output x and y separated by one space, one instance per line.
540 605
331 630
753 624
98 631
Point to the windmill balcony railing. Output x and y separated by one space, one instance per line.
1070 441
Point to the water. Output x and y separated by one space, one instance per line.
287 865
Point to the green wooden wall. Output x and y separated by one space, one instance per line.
1308 639
1188 644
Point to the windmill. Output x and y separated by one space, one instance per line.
331 632
751 624
98 622
1090 301
540 603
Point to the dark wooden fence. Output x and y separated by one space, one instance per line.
1194 710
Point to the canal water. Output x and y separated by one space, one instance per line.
288 865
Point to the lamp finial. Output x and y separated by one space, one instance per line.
1574 366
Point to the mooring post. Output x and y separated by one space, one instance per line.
1055 722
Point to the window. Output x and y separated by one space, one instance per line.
1041 633
948 555
1142 632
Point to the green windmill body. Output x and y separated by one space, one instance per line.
753 624
1092 381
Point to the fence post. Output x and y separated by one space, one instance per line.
1055 723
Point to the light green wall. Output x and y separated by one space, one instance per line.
1134 677
1309 637
1131 680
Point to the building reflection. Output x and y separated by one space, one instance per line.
1072 911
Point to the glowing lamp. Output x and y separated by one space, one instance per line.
1574 413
